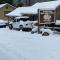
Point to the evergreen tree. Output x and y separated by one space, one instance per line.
44 0
20 3
6 1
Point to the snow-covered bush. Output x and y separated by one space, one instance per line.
46 32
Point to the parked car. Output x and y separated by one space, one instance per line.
2 23
21 23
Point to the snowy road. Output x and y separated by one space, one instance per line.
17 45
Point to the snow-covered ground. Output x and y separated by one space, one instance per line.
17 45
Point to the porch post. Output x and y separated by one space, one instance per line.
38 20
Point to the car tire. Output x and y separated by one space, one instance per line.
20 27
10 26
32 32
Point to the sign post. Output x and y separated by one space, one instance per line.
38 20
45 17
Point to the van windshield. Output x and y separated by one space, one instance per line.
24 19
14 20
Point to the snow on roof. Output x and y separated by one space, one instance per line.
18 11
51 5
2 5
15 12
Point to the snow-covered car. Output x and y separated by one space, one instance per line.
3 23
21 23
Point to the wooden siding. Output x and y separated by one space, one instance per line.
6 9
57 13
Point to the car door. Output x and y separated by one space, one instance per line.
16 24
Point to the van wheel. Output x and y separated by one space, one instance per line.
20 27
10 26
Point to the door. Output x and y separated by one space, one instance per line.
16 23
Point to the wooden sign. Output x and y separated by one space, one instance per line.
46 16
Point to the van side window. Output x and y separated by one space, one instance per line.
18 20
14 20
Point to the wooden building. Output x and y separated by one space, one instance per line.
32 11
4 9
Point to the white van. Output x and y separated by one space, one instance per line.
20 23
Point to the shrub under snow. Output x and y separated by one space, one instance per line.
48 31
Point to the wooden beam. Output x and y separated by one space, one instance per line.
38 20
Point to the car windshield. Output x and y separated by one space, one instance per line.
14 20
24 19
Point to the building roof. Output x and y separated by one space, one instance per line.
20 10
51 5
15 12
2 5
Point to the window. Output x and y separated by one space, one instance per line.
14 20
18 20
